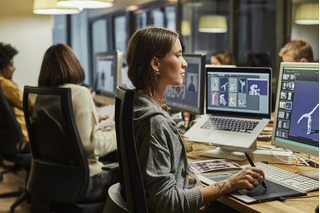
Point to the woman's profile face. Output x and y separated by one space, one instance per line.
172 66
7 72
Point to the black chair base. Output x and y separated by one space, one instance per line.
21 195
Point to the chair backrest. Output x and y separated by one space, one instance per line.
131 178
10 130
60 170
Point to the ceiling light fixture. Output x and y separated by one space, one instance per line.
213 24
85 3
307 14
49 7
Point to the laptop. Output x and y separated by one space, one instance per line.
241 94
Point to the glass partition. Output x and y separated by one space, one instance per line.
199 35
120 33
80 42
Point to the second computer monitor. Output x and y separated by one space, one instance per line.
296 121
107 72
189 97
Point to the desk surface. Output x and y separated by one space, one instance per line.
289 205
104 100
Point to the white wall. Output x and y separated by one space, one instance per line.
30 34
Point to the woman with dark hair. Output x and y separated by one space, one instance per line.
11 90
61 68
155 62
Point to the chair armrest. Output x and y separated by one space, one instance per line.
110 166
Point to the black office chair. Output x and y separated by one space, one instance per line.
59 176
129 195
10 149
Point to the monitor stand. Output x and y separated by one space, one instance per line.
191 118
226 154
229 153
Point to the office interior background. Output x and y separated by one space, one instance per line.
255 30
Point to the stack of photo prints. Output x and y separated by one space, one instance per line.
201 166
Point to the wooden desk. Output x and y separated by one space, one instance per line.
104 100
289 205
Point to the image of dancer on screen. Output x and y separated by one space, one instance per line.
308 116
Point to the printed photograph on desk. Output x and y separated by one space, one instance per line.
201 166
106 117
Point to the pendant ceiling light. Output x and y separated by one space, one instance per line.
213 24
85 3
49 7
185 28
307 14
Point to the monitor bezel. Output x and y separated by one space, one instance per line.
115 54
273 138
202 81
227 69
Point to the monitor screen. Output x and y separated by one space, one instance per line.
296 121
238 90
107 68
125 79
189 97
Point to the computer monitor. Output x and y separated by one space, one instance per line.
296 119
107 68
233 93
125 79
189 97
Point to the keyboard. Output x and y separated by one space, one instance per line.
287 178
228 124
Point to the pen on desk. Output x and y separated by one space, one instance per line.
252 164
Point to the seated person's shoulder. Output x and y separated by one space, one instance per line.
161 122
5 83
77 89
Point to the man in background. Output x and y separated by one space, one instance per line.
296 51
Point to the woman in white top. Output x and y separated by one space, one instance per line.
61 68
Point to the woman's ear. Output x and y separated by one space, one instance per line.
155 64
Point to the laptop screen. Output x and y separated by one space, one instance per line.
243 91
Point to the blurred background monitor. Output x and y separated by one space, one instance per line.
189 97
296 119
125 79
108 67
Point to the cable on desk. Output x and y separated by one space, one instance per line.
299 158
307 159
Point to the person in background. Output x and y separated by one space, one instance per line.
61 68
11 90
155 62
223 57
296 51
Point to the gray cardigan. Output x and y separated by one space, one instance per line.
163 160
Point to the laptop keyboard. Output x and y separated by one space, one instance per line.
226 124
287 178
